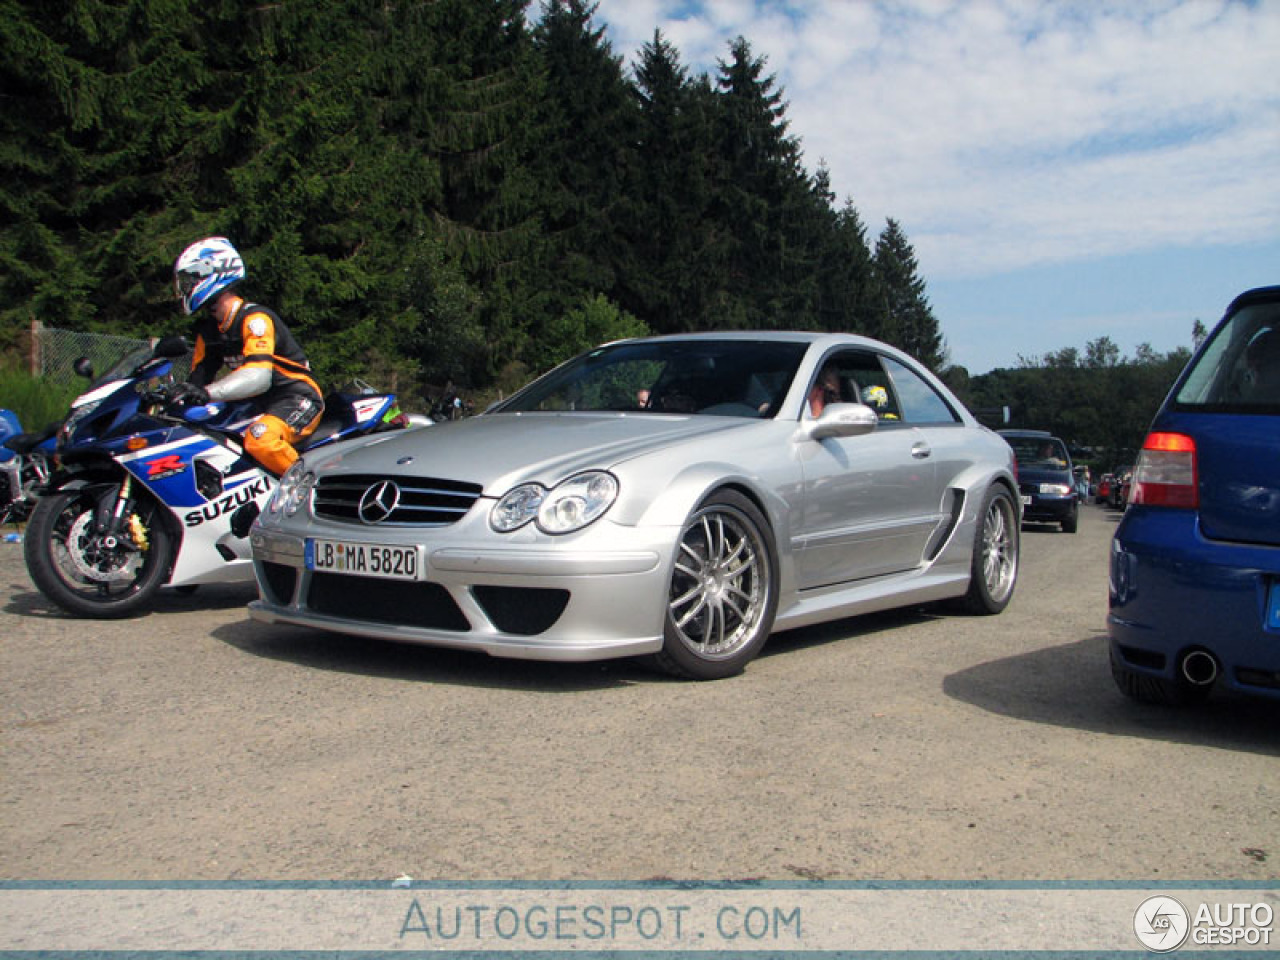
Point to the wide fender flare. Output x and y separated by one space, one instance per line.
691 486
975 482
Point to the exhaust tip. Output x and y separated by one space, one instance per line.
1199 668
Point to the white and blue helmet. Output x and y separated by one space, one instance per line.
205 269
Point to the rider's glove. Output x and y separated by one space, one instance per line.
189 395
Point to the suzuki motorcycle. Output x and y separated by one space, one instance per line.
149 494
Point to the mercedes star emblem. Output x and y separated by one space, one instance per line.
379 501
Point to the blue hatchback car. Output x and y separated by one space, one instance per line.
1195 562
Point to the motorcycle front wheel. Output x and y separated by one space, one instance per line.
90 574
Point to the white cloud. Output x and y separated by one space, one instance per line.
1010 133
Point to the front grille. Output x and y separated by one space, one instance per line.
422 501
403 603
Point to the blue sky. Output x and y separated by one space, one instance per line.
1064 170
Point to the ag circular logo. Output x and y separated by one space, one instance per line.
1162 924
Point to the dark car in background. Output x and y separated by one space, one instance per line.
1046 481
1195 562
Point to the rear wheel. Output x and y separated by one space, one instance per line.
86 572
723 592
994 567
1072 521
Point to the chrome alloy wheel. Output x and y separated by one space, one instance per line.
1000 549
719 590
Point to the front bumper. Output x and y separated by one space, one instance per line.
598 595
1173 591
1045 507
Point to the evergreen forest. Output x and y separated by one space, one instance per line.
430 191
435 192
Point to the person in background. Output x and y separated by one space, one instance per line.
825 390
266 362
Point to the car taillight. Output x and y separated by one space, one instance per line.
1165 475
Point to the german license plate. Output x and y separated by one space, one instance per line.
363 559
1026 500
1273 606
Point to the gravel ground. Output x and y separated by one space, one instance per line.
193 744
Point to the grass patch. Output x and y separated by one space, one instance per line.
37 401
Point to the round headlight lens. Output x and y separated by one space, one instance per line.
577 502
517 507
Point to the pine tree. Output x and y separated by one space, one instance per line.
846 298
676 245
584 154
906 317
765 202
96 123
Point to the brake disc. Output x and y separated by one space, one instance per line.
94 559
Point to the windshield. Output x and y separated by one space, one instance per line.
1042 452
726 378
1239 370
123 368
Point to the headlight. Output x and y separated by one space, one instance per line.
568 507
300 494
1059 489
517 508
74 419
294 486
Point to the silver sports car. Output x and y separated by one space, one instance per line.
679 497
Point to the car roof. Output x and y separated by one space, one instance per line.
1257 295
825 341
780 336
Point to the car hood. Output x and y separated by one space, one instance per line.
498 451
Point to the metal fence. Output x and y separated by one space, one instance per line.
54 351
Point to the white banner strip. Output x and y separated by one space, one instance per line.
557 919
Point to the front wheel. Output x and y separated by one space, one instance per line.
723 592
88 573
994 567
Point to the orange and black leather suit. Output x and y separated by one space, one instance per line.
260 350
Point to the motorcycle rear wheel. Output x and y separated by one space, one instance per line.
79 572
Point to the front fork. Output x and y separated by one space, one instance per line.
116 523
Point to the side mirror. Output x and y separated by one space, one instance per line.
842 420
84 367
172 347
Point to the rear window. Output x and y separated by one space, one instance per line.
1239 370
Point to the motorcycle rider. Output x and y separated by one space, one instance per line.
265 360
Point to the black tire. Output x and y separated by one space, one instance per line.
83 576
996 551
723 592
1072 522
1148 689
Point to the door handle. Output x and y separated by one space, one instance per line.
921 450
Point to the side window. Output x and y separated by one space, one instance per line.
855 376
921 403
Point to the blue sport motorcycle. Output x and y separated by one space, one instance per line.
148 494
26 460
